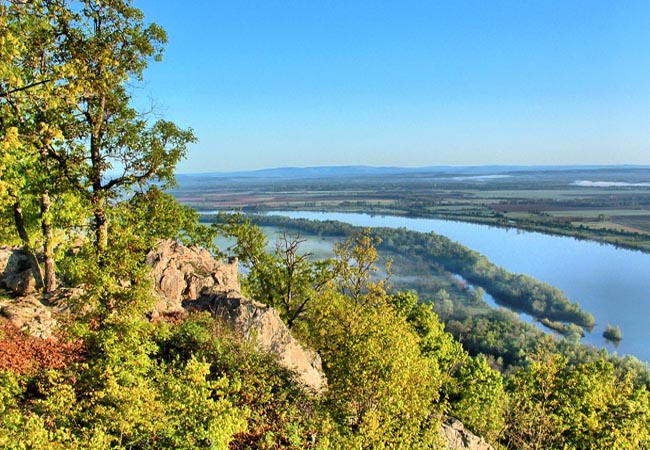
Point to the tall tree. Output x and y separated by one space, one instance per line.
67 124
30 109
109 146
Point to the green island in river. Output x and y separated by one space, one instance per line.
429 264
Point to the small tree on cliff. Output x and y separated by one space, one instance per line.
286 278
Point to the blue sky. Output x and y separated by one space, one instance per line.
407 83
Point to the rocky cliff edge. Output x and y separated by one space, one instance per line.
186 279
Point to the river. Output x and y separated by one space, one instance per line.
611 283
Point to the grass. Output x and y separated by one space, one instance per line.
599 212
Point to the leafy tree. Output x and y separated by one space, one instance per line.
434 341
382 391
31 106
285 279
73 148
356 264
106 45
300 279
65 93
478 398
470 389
590 405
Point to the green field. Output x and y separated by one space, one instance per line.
544 200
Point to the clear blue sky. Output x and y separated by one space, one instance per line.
408 83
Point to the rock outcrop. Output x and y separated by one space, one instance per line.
457 437
22 305
185 278
262 324
188 278
186 273
30 314
15 271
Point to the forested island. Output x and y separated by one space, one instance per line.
119 328
521 292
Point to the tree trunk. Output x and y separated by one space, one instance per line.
19 221
96 161
101 226
49 282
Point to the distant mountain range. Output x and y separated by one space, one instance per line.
359 171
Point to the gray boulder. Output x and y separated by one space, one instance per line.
16 272
457 437
185 273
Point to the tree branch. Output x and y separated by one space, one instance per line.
23 88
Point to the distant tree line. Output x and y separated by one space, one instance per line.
517 291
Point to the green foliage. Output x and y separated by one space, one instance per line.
557 406
474 392
36 197
356 264
613 333
153 215
434 341
279 413
117 282
478 398
68 125
285 279
521 291
122 396
382 391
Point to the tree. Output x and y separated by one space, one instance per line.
31 105
106 45
478 398
382 390
66 87
301 279
590 405
356 264
72 145
285 279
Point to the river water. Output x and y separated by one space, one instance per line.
612 284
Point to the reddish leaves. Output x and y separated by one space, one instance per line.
22 353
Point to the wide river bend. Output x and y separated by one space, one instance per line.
611 283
